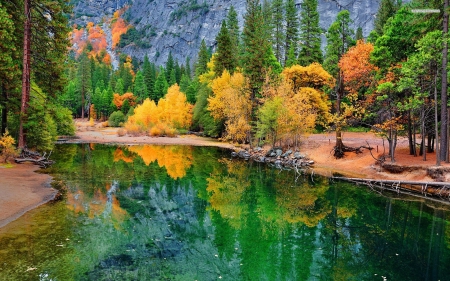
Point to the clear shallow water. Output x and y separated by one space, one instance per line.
191 213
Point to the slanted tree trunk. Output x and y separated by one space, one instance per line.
25 73
444 126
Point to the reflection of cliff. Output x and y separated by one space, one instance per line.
101 203
176 159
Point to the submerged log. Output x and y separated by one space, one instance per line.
440 190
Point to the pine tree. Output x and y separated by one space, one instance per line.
359 34
386 10
225 58
161 86
233 28
84 79
310 40
257 47
140 89
278 28
9 72
188 70
149 75
177 72
339 39
170 65
202 59
291 29
172 78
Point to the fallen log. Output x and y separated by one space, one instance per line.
34 157
435 189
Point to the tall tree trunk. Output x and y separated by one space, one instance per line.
4 110
339 147
438 154
444 126
25 73
412 145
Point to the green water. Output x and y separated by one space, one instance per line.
192 213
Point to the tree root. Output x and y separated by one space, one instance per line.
339 151
34 157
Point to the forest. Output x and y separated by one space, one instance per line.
267 83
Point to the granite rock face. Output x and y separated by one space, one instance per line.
180 25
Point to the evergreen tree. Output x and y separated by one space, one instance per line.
278 28
119 89
161 86
170 65
177 72
202 59
9 72
225 57
339 39
359 34
172 78
386 10
310 40
149 73
188 70
233 28
257 47
84 79
140 89
291 30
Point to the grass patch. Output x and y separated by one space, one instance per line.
6 165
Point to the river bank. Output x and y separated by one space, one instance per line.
23 189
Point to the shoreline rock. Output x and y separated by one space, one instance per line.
275 156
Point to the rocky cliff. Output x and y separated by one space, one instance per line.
180 25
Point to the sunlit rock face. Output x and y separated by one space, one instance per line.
179 26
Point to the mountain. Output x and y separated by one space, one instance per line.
180 25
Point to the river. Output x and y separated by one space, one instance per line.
193 213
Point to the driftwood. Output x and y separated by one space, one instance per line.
34 157
440 190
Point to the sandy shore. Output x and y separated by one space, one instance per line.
22 189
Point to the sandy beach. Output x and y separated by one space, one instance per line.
21 190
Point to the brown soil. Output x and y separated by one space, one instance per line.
22 189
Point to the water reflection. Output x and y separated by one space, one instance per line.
177 213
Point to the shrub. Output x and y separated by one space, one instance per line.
116 119
7 149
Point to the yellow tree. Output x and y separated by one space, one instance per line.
231 102
174 108
145 116
295 105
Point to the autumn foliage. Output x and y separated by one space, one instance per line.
118 27
172 112
176 159
357 70
118 100
231 103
